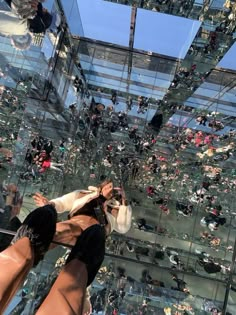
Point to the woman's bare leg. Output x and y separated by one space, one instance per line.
15 263
67 232
66 296
30 243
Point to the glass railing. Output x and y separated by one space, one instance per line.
125 287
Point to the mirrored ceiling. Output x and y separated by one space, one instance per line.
202 86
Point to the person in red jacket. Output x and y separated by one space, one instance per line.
47 163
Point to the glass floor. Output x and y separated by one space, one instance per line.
162 127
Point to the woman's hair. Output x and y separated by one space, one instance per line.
40 23
113 204
104 183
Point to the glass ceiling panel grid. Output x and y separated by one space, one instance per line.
164 34
153 63
212 104
108 68
217 93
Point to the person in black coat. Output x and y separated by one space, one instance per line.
209 266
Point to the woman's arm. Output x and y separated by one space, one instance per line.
123 220
61 204
65 203
72 201
120 219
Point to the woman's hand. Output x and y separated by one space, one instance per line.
123 196
11 190
40 200
13 199
34 4
16 207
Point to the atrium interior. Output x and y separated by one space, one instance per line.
142 92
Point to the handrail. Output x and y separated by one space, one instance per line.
128 259
8 232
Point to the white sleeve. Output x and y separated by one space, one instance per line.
23 9
10 24
123 220
65 203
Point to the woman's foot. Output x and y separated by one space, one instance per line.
40 227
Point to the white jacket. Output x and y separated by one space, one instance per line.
70 202
11 24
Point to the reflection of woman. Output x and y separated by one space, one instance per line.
48 164
90 221
26 16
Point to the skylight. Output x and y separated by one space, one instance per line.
164 34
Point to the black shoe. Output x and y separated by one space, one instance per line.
39 226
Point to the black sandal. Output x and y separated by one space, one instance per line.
39 226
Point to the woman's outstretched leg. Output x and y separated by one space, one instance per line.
31 242
68 293
66 296
15 263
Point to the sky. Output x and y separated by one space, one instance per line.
229 60
157 32
105 21
164 34
160 33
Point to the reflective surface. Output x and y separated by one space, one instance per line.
162 127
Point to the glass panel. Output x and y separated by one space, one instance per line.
228 62
162 128
173 42
100 21
73 17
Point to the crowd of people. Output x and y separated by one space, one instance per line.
150 162
209 152
209 177
157 168
39 157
